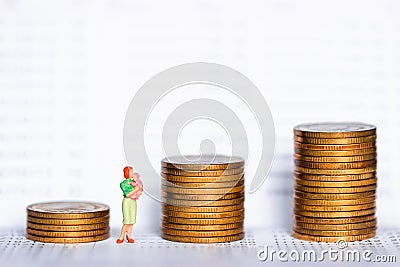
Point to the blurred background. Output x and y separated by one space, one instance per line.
69 69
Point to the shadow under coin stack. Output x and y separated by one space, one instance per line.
67 222
203 199
335 182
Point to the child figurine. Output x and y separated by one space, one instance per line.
132 188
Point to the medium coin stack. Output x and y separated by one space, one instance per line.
203 199
67 222
335 182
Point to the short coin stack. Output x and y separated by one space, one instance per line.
335 182
67 222
203 199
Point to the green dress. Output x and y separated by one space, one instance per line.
128 204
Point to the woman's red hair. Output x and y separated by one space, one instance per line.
127 171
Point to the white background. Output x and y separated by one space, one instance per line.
69 69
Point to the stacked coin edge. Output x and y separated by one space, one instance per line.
203 202
55 225
335 182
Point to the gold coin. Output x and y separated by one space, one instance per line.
336 227
204 185
331 196
335 190
336 184
203 221
65 240
203 209
202 162
334 178
205 203
203 233
338 165
332 239
330 221
68 210
203 197
202 173
45 233
337 214
334 130
345 202
335 233
335 159
339 153
186 191
69 221
335 141
334 208
194 227
188 239
204 215
335 172
68 228
334 147
203 179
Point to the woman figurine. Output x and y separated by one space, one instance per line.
132 188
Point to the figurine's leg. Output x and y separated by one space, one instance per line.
123 231
129 233
129 230
126 227
125 219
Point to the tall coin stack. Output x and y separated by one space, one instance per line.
67 222
335 182
203 199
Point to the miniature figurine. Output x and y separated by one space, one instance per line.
132 188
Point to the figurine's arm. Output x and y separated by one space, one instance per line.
135 194
130 194
137 188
